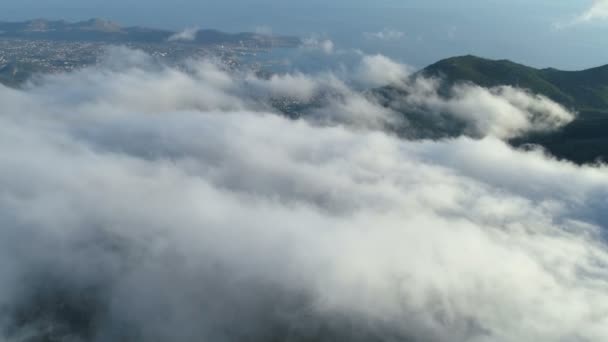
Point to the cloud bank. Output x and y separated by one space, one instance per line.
141 202
504 112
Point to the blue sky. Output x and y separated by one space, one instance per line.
417 32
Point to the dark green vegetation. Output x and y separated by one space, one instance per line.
586 92
100 30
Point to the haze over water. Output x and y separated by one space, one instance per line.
415 32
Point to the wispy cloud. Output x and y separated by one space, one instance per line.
385 35
263 30
314 43
379 70
598 11
188 34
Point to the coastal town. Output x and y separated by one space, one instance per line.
42 47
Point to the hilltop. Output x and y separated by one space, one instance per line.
586 92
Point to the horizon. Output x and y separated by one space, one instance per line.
123 25
415 32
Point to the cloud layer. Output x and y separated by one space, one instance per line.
597 11
504 112
141 202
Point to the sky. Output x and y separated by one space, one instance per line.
544 33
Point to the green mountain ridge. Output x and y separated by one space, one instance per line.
585 140
585 91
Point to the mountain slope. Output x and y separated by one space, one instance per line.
585 90
585 139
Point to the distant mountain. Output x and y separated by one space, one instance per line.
586 92
101 30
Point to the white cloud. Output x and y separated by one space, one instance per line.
597 11
324 45
385 35
355 111
297 85
161 204
188 34
504 112
379 70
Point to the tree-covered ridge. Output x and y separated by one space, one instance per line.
585 90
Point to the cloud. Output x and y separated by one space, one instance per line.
297 85
355 111
452 32
263 30
324 45
379 70
597 11
385 35
188 34
504 112
143 202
